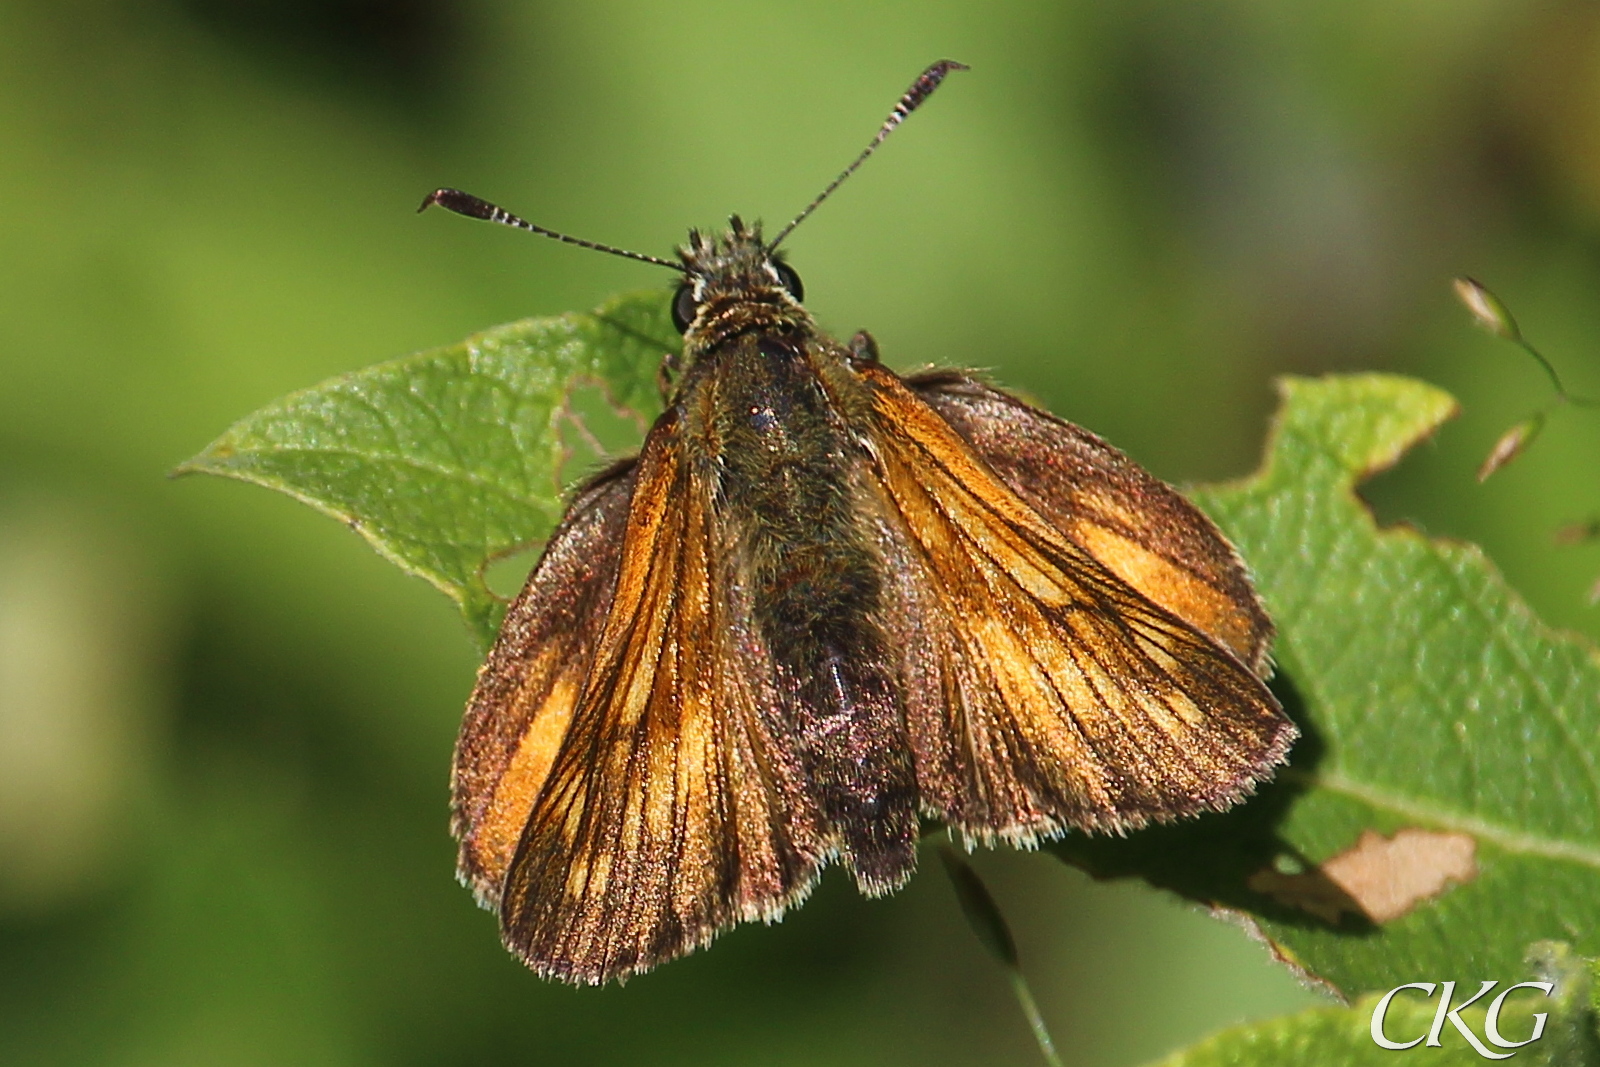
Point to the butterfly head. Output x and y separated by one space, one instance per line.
733 284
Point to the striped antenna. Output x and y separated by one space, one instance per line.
920 90
469 205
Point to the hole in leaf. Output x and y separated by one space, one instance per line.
506 576
594 431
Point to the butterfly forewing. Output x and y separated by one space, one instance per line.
1044 692
675 806
1141 529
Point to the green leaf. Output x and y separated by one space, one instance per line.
449 459
1342 1037
1432 700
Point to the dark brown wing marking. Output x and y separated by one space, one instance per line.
528 686
1044 692
1141 529
676 806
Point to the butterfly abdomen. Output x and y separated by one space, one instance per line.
817 592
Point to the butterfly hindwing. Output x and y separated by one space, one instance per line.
528 686
675 806
1043 691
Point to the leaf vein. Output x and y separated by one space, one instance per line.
1502 837
408 461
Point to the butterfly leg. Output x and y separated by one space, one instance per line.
666 371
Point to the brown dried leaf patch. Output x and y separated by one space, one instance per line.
1380 878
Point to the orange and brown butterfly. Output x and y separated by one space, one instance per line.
822 604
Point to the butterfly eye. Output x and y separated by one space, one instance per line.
683 307
790 280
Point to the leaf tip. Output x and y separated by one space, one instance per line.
1365 422
204 462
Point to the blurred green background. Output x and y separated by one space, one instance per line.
225 724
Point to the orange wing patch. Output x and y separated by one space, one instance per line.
1045 692
675 806
1142 530
529 685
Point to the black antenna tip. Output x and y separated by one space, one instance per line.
478 208
925 84
465 204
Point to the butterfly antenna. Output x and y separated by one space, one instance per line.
469 205
920 90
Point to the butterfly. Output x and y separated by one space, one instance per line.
823 604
